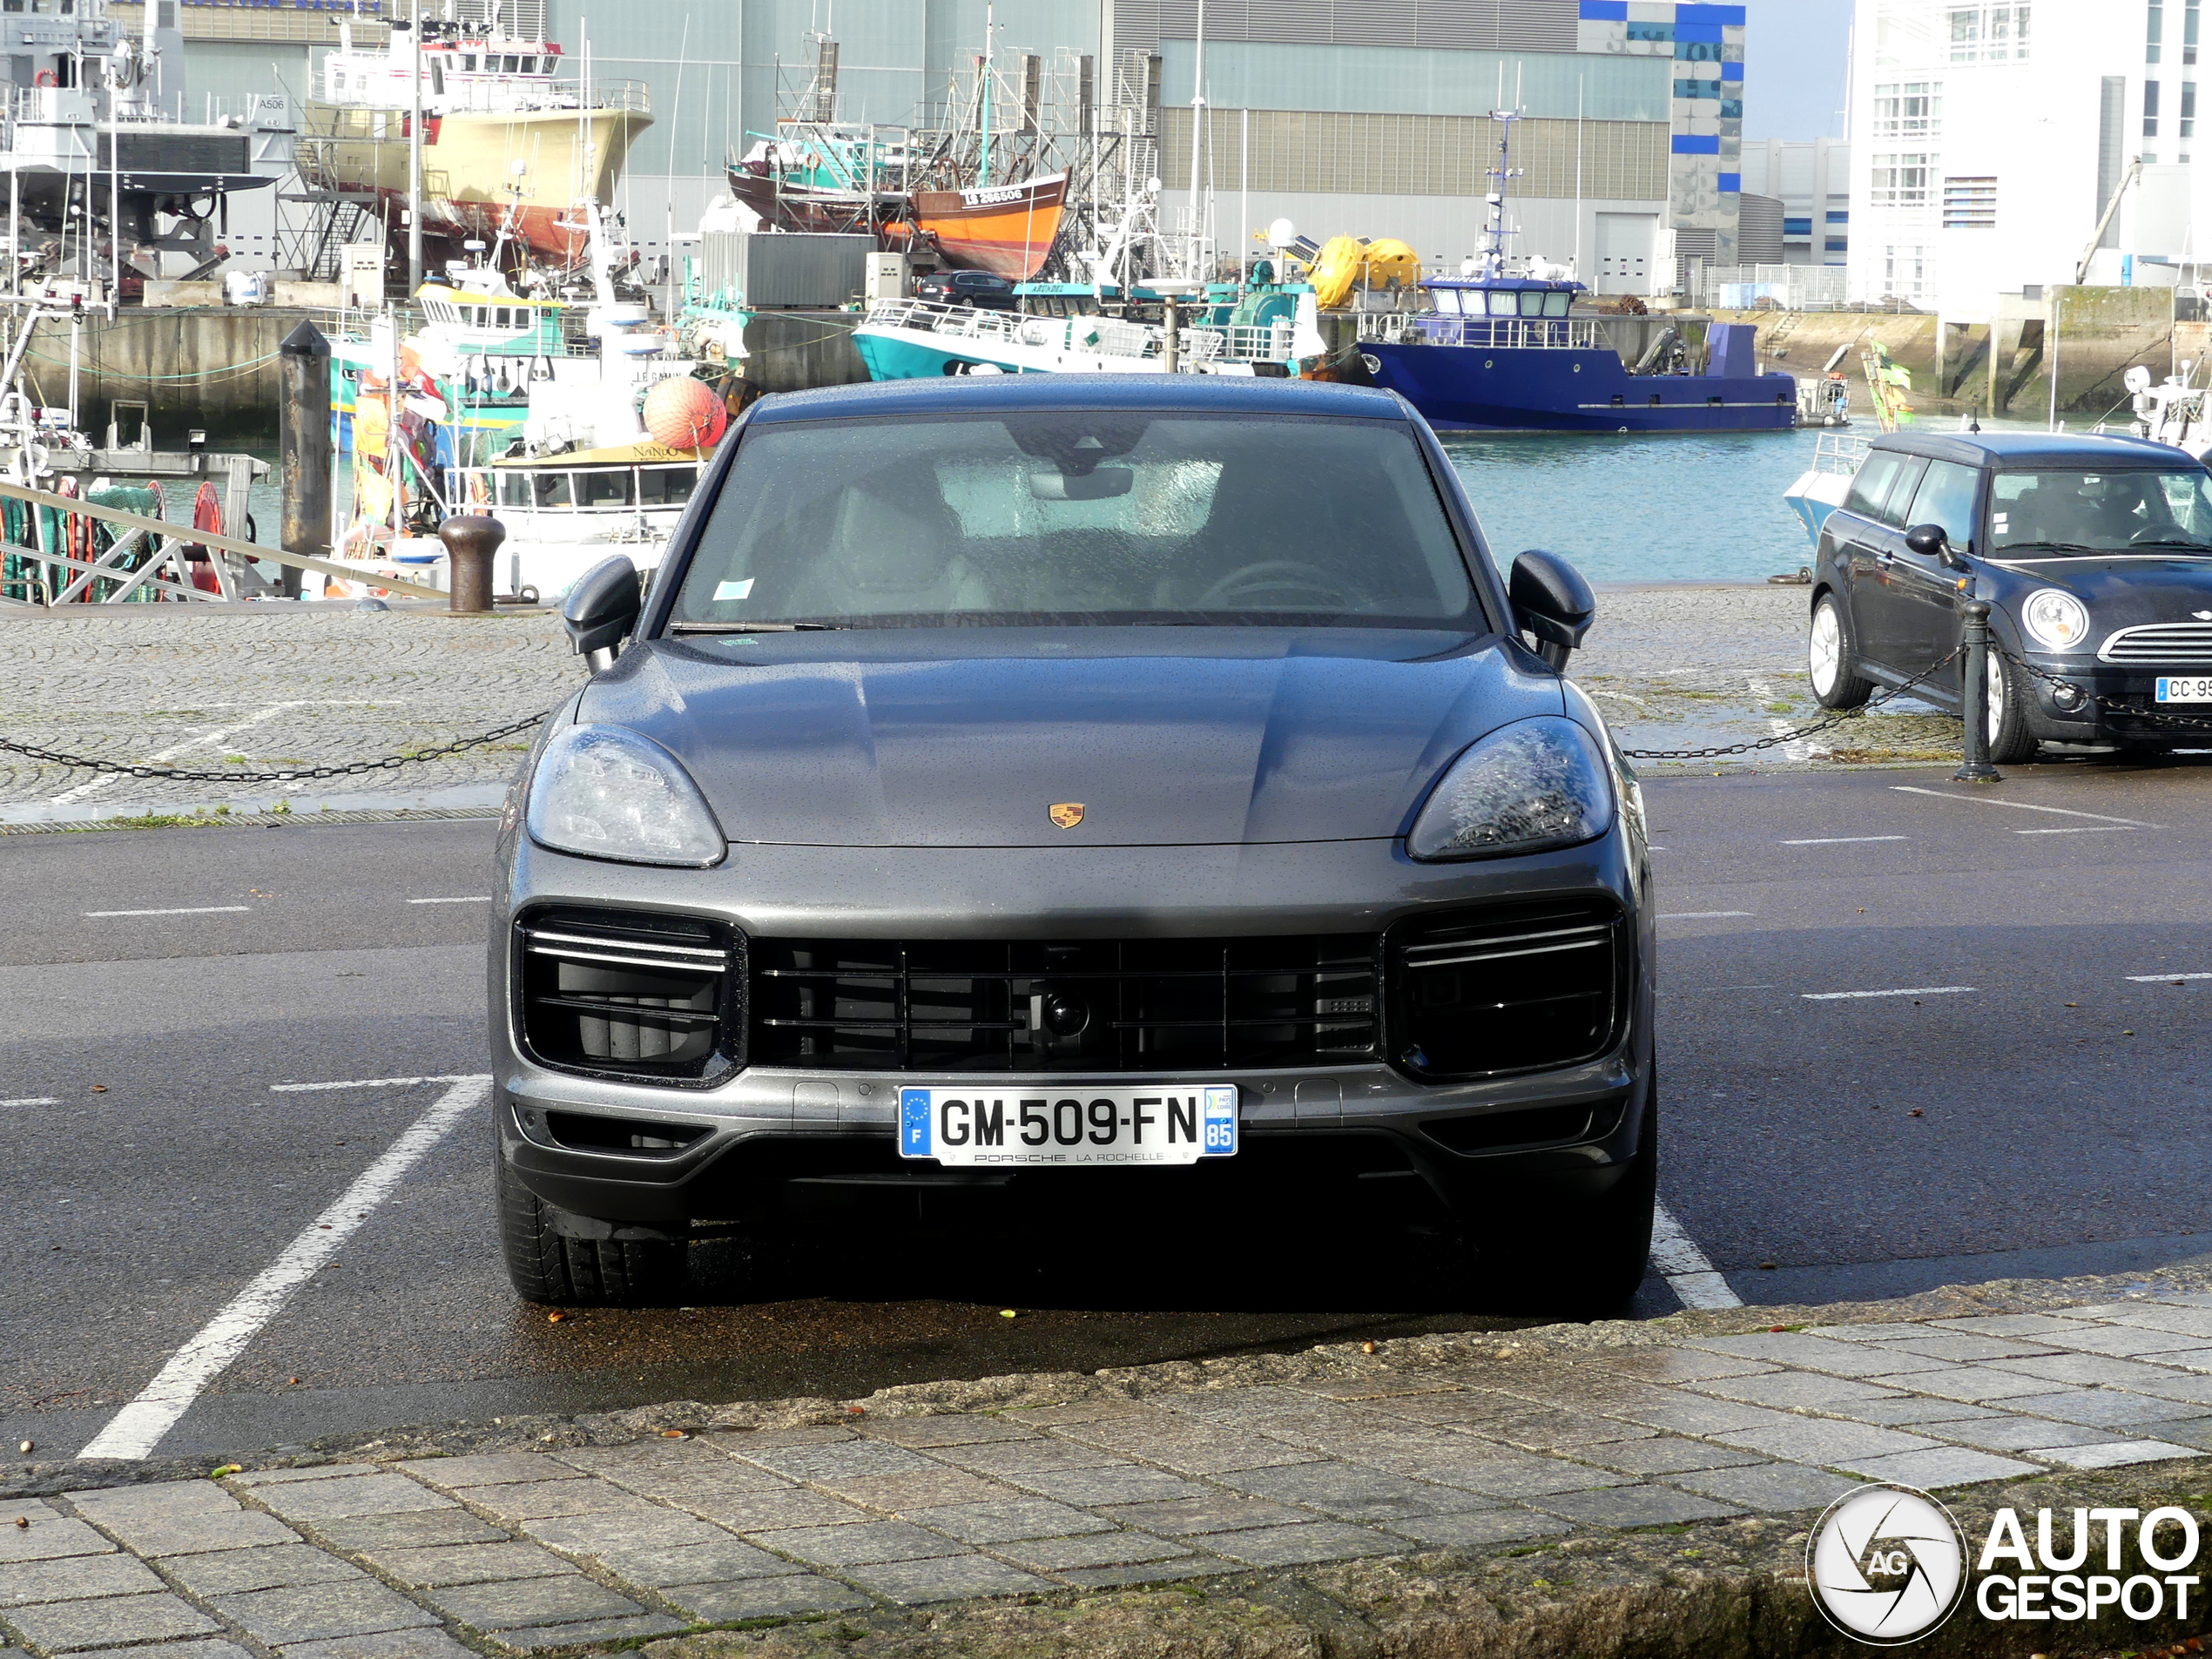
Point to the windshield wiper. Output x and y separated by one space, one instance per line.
2176 541
754 627
2055 547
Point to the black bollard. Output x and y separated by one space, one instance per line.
1974 696
470 542
304 463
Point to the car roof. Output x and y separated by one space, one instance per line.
2003 449
971 394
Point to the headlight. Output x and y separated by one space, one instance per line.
2056 621
1532 787
607 792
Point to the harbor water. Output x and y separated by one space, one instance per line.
1674 508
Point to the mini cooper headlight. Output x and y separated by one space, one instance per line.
2055 621
606 792
1527 787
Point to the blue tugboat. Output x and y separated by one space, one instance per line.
1505 353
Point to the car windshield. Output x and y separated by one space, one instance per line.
2065 513
1078 518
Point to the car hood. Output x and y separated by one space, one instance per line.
2123 591
966 738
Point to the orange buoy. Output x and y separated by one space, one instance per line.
684 414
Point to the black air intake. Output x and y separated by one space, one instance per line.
629 993
1517 989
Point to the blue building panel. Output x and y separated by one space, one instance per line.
1837 245
1685 144
1605 10
1716 16
1731 183
1801 225
1839 216
1708 34
1732 71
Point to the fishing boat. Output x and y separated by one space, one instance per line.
1005 229
507 141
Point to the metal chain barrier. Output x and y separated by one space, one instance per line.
1803 731
388 763
2112 705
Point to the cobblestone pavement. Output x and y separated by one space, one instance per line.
265 689
1439 1444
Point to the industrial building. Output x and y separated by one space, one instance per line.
1367 116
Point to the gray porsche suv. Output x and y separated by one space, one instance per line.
1126 791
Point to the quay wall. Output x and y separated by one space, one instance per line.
213 367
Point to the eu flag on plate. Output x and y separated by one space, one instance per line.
913 1123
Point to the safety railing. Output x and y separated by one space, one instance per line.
1505 334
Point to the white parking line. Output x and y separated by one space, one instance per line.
188 910
2140 979
1703 915
2021 806
381 1082
2081 829
474 898
32 1100
1908 990
1688 1272
1844 841
137 1428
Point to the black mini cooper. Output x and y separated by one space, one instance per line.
2094 553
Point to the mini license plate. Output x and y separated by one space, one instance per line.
1078 1126
2184 688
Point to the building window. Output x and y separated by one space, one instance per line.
1908 109
1798 228
2188 33
1901 181
1839 216
1970 203
1904 271
2151 108
2153 35
2188 109
1995 32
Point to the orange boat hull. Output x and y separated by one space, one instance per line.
1005 229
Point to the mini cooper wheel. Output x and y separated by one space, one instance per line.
557 1269
1831 658
2010 741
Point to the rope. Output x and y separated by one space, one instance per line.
228 371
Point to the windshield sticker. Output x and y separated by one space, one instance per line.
1998 518
734 589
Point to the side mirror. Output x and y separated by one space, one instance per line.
602 609
1934 541
1552 603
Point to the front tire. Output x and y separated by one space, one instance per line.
2010 741
551 1268
1831 658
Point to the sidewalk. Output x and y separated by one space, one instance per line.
1477 1488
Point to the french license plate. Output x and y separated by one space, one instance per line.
1077 1126
2184 688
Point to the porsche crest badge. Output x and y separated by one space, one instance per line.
1066 813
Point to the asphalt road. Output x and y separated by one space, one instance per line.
160 1158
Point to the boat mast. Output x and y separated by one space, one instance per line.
1198 140
414 156
1491 256
990 46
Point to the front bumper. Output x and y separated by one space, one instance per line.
2116 703
749 1143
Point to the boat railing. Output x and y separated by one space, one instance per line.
1839 452
1090 333
1513 333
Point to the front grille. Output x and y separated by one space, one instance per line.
1089 1006
629 993
1513 988
2163 642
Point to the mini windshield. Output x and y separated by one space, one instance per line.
1078 518
2063 513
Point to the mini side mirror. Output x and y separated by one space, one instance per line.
602 609
1551 602
1934 541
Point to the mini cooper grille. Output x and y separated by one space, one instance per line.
627 993
1095 1005
2164 642
1510 989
